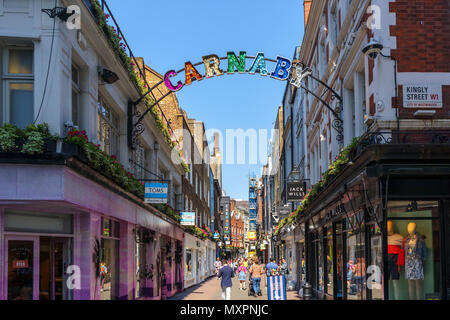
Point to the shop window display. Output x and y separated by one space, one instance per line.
413 250
356 262
329 261
109 260
339 261
375 268
188 263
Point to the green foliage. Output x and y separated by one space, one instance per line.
8 135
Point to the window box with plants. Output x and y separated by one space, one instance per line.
33 140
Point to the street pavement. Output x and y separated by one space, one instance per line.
210 290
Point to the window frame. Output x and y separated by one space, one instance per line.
8 78
114 129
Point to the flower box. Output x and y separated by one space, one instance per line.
49 145
74 150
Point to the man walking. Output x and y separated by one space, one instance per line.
271 268
226 273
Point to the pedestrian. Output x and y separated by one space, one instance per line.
256 271
246 263
226 273
271 268
217 265
242 274
284 269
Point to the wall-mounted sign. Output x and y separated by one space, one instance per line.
187 218
20 264
422 96
216 235
252 247
227 243
283 211
156 192
252 236
296 191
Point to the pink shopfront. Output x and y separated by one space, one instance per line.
65 237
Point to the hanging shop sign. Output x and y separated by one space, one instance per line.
284 211
422 96
252 236
296 191
187 218
156 192
216 235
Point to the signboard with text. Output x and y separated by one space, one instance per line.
296 191
156 192
187 218
422 96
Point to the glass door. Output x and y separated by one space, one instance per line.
23 268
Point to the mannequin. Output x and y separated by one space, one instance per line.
415 254
396 257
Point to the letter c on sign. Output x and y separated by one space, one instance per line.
169 84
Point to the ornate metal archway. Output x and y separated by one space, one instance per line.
284 70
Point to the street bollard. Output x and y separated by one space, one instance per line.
307 291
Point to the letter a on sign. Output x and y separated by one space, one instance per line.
191 72
259 65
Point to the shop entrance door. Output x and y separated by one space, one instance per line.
22 278
54 259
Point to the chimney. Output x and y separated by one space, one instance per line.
307 6
216 144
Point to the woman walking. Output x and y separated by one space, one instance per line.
242 275
217 265
256 271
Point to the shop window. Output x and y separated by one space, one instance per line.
329 261
340 275
109 260
356 261
375 267
188 264
413 250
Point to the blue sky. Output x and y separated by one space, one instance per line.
169 33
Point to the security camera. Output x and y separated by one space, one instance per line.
372 49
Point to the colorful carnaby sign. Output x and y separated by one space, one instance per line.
156 192
422 96
187 218
237 63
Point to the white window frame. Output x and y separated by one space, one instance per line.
76 88
8 78
114 130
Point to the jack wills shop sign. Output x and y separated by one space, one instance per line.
296 191
422 96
